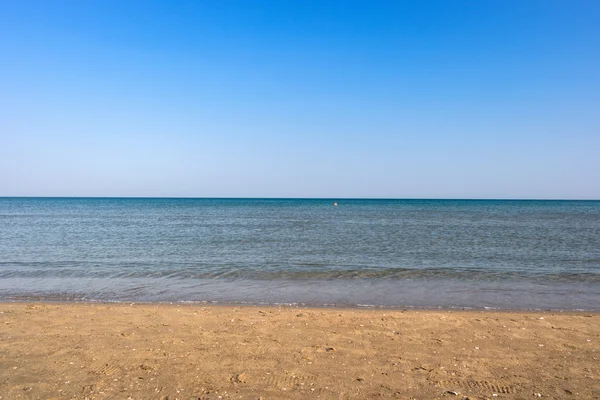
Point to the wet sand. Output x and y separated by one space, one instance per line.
150 351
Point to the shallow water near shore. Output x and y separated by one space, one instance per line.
390 253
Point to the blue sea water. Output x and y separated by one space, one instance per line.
389 253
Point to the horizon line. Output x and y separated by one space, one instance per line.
299 198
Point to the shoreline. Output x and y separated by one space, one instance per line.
206 303
214 351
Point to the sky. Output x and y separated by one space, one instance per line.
392 99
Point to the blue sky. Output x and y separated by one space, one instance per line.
425 99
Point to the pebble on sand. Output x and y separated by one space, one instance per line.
240 378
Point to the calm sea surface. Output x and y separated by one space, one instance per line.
399 253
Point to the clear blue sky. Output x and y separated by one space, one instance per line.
426 99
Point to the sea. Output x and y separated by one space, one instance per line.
449 254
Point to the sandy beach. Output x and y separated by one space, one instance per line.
154 351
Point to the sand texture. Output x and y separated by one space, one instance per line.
104 351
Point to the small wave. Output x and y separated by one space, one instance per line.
295 272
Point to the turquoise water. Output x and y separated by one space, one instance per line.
399 253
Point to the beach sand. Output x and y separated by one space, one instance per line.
152 351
